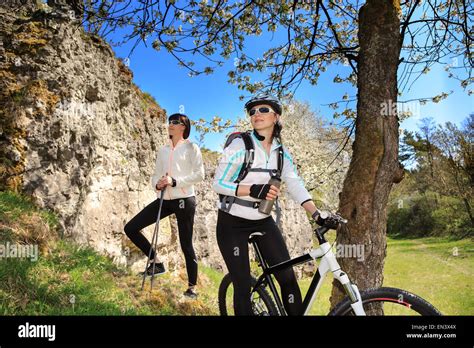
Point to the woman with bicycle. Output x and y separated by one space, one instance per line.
238 214
178 168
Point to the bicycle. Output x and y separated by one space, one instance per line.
377 301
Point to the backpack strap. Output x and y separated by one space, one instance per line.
263 170
249 157
281 158
227 201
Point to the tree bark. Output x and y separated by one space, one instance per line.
374 165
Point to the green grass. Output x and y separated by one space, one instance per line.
67 279
70 274
429 268
14 206
438 269
426 267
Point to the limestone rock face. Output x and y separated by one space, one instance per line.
81 138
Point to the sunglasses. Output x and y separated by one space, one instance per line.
175 122
261 110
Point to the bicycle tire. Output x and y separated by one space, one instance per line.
387 295
261 291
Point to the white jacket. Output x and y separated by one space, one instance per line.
231 163
184 164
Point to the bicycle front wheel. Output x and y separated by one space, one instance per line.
262 302
387 301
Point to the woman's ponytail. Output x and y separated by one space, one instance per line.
277 131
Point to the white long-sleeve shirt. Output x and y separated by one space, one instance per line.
229 167
183 163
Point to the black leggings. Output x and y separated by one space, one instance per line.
232 236
184 208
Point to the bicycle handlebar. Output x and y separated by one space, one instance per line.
336 218
341 219
323 229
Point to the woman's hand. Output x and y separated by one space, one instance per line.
264 191
273 193
163 182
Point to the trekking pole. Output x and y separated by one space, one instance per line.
154 243
155 246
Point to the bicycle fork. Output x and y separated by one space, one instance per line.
352 291
329 263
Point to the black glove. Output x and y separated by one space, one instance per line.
259 191
326 219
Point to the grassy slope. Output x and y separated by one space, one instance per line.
66 273
428 268
95 285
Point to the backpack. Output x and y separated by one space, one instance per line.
250 155
227 201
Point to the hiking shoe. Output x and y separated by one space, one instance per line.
159 269
191 293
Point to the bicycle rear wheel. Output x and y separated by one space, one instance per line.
262 302
387 301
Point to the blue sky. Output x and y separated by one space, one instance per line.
205 96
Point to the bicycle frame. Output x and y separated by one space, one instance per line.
327 264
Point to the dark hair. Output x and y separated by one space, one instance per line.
187 123
277 131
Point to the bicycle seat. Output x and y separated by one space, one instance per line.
255 235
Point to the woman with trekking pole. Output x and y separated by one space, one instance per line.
178 168
247 180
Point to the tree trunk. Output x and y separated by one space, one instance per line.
374 166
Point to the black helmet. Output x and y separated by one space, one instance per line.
264 98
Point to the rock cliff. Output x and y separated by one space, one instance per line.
80 137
